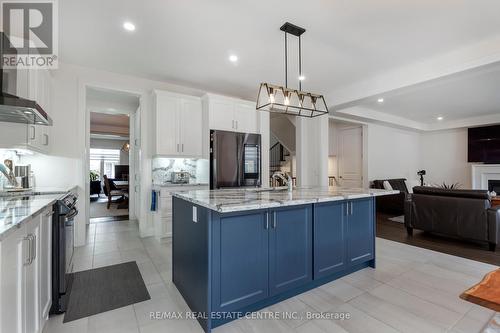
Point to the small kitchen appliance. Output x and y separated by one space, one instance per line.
180 177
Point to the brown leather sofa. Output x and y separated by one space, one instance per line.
465 214
394 203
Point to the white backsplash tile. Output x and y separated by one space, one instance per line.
162 169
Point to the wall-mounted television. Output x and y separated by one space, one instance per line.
484 144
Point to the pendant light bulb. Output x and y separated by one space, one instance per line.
287 100
271 98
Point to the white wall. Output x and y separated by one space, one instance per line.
393 153
444 157
400 153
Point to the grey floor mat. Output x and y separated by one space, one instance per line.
103 289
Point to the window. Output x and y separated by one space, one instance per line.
104 160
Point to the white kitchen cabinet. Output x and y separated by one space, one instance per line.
163 215
38 138
229 114
25 276
13 256
190 125
32 282
245 116
178 125
221 115
166 125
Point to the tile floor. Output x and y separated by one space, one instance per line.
412 290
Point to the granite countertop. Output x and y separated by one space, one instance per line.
17 208
37 191
178 185
232 200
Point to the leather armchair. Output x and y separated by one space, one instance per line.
465 214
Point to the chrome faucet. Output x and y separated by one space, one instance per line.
285 177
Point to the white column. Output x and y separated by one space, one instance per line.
312 151
265 129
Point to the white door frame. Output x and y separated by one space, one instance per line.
80 232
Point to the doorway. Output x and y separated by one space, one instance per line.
111 156
346 158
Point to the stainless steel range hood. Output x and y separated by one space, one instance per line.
14 109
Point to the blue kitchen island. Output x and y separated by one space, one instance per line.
240 250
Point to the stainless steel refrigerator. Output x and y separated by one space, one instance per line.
235 159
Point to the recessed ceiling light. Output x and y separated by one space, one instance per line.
129 26
440 118
233 58
380 100
302 78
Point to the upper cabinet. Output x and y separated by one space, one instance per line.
178 124
231 114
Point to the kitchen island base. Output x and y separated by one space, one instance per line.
228 264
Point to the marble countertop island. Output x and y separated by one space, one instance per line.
233 200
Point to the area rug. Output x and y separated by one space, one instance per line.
398 219
104 289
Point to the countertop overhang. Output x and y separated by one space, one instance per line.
233 200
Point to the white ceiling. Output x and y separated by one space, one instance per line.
473 93
113 124
188 42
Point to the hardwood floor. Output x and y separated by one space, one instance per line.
397 232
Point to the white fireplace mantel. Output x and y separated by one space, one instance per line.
482 173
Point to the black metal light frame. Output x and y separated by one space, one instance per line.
316 105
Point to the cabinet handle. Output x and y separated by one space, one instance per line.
267 220
274 220
33 132
182 147
28 259
352 209
33 257
236 122
347 209
46 139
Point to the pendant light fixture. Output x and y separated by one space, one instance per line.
279 99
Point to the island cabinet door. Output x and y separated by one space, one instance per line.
240 260
360 231
290 248
329 238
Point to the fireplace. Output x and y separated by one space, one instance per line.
494 185
485 176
